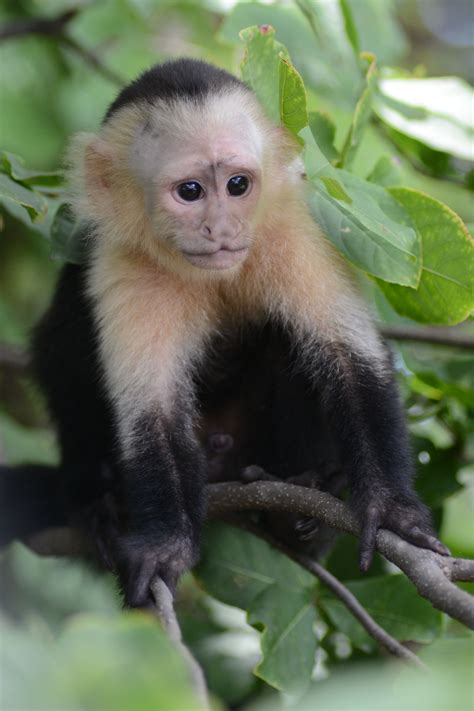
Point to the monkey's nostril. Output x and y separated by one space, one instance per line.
207 230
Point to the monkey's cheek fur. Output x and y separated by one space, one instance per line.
220 260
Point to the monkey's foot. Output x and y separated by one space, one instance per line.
407 517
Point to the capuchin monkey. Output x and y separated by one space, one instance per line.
210 309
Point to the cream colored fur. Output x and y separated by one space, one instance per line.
156 312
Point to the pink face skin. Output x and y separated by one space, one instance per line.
214 231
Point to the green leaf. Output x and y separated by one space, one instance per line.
68 237
445 291
14 166
450 371
349 26
126 662
324 132
260 67
436 479
241 570
36 585
393 602
314 57
364 222
361 116
288 639
267 69
14 195
386 172
336 190
293 111
435 111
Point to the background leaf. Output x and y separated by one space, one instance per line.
241 570
436 111
445 292
394 603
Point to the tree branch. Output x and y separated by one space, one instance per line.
56 28
431 573
429 334
45 26
164 611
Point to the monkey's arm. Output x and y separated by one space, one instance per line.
366 416
147 342
342 358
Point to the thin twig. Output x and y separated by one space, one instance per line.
89 57
164 611
429 334
339 590
45 26
56 28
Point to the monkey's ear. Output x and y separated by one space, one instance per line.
98 165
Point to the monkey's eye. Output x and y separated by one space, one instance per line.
238 185
189 191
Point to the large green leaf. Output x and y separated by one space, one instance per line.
362 219
315 57
393 602
243 571
445 293
435 111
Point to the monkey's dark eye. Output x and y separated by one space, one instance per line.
238 185
189 191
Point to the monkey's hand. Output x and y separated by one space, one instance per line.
401 513
140 558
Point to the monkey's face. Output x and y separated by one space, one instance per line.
183 181
203 201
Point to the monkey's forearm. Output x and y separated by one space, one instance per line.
365 413
163 500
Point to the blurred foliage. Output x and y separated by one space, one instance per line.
378 94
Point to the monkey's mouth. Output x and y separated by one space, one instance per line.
223 258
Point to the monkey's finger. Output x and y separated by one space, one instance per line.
137 591
367 539
307 528
415 535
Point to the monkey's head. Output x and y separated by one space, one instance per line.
184 168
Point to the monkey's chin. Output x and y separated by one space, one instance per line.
218 261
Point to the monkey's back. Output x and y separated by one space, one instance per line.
67 367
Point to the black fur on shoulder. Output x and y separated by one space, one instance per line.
180 78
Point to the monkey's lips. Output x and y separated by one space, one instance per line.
223 258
